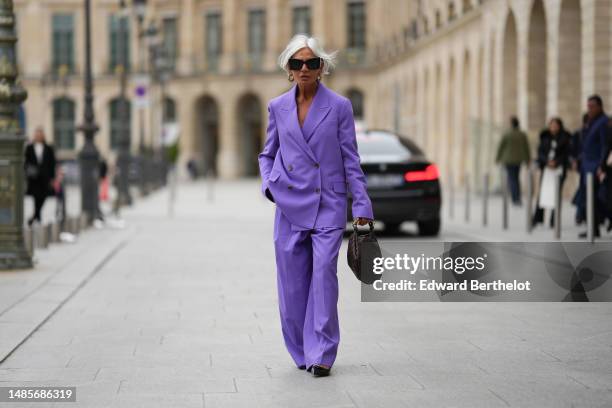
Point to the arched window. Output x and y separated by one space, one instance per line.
117 123
63 123
356 98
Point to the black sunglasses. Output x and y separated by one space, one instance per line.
296 64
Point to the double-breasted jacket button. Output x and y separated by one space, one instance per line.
290 187
290 167
317 190
316 165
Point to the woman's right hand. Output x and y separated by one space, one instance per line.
361 221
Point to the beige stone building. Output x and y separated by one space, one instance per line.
446 73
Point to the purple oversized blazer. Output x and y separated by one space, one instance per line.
307 170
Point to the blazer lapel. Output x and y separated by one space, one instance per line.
290 119
317 111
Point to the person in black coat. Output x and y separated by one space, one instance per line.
575 161
553 152
605 177
40 171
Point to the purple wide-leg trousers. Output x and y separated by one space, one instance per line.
306 265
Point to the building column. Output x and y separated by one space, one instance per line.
522 34
229 161
186 62
421 100
552 57
186 106
231 32
443 119
275 19
318 16
596 53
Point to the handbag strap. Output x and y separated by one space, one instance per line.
370 223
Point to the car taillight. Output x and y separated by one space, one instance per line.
430 173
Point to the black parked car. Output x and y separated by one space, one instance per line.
402 184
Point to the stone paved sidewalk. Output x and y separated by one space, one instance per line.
182 312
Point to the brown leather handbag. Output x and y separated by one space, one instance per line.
362 249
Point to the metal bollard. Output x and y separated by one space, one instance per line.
55 231
210 185
40 236
467 198
529 203
172 180
485 199
49 232
558 197
590 207
68 225
451 198
504 184
82 219
73 225
28 237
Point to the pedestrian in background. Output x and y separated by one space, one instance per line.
60 196
553 161
308 163
104 183
594 144
103 191
513 150
192 169
575 160
39 165
605 178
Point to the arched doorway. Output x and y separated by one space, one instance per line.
207 126
537 68
250 128
570 57
509 70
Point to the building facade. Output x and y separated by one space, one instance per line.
447 73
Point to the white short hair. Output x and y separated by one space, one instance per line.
300 41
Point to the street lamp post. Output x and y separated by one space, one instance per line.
13 253
89 157
123 159
140 8
157 65
162 75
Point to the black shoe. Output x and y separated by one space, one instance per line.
318 371
302 367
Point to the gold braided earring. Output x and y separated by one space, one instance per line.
290 77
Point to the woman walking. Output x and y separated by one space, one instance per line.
308 161
553 161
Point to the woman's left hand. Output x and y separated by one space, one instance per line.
361 221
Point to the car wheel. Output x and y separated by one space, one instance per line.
429 228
